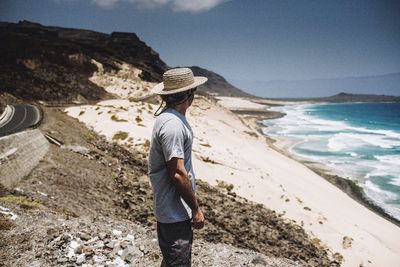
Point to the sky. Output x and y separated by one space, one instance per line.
243 40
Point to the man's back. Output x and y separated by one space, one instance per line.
172 137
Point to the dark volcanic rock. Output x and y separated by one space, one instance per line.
54 64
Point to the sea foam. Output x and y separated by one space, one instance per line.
349 145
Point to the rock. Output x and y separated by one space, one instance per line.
130 253
77 149
142 190
81 258
347 242
141 248
62 260
74 247
102 235
92 240
130 237
117 247
117 233
98 244
84 236
98 259
119 252
258 260
125 243
110 244
65 238
88 250
78 249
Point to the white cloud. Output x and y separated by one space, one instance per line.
148 3
193 6
105 3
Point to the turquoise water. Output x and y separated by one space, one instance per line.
359 141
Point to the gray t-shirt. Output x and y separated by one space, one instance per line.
172 137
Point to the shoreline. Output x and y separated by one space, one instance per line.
347 186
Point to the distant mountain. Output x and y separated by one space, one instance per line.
388 84
345 97
217 85
54 63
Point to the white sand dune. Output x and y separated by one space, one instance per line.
266 176
225 149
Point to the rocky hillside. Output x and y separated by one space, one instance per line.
217 85
84 190
55 64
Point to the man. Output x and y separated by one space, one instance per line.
170 168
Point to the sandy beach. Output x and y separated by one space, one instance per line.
227 148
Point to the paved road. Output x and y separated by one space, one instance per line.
24 116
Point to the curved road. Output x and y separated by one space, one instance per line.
24 116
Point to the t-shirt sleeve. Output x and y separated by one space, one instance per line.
172 139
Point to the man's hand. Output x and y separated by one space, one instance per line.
197 219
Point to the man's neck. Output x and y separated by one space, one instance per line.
181 109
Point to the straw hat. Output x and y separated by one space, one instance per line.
178 80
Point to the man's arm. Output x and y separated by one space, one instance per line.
180 179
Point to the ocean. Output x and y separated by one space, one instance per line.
358 141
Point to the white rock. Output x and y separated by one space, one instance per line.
73 246
99 259
119 262
130 253
6 211
81 258
120 252
130 237
76 149
93 239
102 235
117 233
43 194
71 253
99 244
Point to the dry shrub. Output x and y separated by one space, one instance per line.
138 119
22 201
222 184
115 118
5 223
120 136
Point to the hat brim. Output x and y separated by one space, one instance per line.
159 88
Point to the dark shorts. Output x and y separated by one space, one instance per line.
175 240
